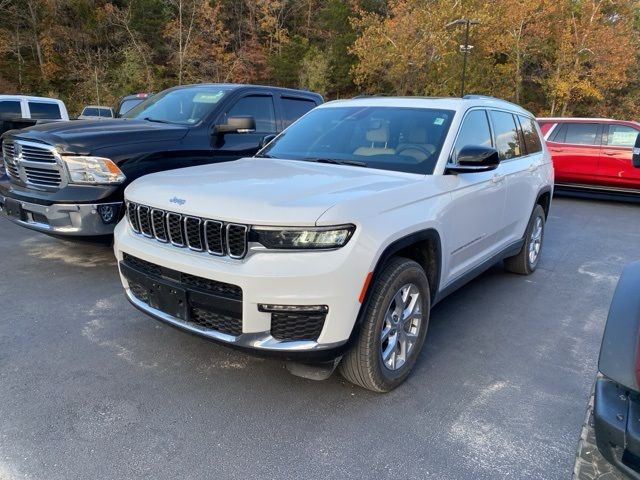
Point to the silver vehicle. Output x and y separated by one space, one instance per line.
96 112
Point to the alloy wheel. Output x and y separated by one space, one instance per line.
401 326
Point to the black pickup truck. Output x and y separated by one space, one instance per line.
68 178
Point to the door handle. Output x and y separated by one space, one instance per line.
611 154
558 150
497 178
532 168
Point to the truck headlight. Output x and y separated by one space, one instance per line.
305 238
94 170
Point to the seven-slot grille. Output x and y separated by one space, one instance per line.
195 233
32 164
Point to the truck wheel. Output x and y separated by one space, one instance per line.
590 464
393 329
526 261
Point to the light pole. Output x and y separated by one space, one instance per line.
465 48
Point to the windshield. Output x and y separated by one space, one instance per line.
96 112
388 138
183 106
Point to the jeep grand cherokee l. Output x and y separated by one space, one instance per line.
332 244
68 179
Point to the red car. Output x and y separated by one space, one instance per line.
593 153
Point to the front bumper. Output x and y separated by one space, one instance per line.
331 278
63 218
617 426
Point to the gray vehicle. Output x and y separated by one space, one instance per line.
609 446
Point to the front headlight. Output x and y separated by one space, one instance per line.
94 170
311 238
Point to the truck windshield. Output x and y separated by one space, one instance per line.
182 106
389 138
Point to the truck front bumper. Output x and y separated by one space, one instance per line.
617 426
67 219
236 302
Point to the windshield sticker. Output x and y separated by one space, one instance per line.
438 121
203 97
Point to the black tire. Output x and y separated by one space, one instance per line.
590 464
363 364
521 262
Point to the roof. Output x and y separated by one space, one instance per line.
236 86
584 119
444 103
96 106
29 97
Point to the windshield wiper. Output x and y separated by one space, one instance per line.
155 120
264 155
333 161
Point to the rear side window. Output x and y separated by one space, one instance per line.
532 141
41 110
97 112
474 131
506 134
260 107
10 107
294 108
578 133
621 136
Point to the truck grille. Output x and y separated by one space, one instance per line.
32 165
185 231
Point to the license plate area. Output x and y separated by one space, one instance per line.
169 299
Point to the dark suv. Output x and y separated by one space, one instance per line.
68 178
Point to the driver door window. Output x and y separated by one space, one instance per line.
260 107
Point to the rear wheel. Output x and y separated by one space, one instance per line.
393 329
526 261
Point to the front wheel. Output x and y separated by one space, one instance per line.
526 261
393 329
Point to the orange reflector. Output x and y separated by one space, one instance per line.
112 167
365 286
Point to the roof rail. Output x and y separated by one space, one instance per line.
473 96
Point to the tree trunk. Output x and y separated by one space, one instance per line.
36 37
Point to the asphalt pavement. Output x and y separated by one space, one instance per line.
90 388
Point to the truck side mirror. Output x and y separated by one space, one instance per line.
636 153
239 124
475 158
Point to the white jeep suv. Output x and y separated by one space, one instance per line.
331 245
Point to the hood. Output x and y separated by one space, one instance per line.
260 191
85 136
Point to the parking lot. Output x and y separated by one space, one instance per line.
92 388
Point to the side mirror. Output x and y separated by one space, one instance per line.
239 124
636 153
475 158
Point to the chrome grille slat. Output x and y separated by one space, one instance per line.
236 240
132 214
196 233
144 220
213 237
174 227
193 233
159 225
